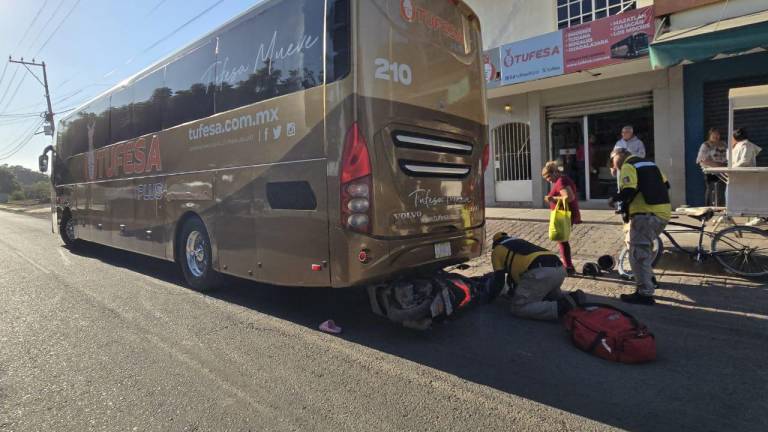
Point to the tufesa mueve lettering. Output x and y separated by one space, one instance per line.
128 158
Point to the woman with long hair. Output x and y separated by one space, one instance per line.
562 188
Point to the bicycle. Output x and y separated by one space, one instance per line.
740 250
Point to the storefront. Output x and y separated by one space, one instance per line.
718 57
566 97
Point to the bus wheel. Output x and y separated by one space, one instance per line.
67 231
195 256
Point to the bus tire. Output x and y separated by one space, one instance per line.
195 256
67 230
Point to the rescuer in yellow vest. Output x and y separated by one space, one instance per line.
531 276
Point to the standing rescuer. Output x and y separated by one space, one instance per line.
643 198
531 276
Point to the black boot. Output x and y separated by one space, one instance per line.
570 301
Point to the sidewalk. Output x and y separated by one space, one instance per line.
25 207
684 283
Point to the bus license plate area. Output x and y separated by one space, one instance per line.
442 250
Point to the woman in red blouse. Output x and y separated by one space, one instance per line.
562 188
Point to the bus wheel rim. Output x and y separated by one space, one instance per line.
195 254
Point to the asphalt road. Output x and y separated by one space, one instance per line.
108 340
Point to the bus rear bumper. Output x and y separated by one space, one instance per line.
388 259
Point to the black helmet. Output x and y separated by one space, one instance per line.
499 237
606 262
591 269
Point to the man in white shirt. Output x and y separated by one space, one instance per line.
630 142
744 154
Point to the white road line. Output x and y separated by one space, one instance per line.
36 265
64 258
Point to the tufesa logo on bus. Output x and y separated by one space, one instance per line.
412 13
132 157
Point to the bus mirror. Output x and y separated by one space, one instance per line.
43 161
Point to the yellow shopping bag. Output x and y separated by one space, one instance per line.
560 222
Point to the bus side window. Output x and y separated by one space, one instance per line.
274 52
149 101
121 123
191 88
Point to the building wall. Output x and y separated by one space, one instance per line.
714 12
508 21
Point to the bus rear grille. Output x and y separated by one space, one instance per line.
433 169
430 143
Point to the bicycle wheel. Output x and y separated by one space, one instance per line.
742 250
625 269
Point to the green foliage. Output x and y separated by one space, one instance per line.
25 176
39 191
8 183
18 195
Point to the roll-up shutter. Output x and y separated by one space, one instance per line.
754 121
600 106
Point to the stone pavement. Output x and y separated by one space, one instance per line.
684 283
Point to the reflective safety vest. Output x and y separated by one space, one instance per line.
653 193
515 257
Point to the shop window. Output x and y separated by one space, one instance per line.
574 12
512 152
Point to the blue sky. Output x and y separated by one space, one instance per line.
96 44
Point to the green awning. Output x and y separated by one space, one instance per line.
732 36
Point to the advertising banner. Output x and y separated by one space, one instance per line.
531 59
609 40
492 68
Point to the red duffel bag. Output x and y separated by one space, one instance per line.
610 333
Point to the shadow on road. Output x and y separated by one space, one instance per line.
710 375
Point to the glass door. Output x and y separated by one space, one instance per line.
567 148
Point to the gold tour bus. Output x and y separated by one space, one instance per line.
329 143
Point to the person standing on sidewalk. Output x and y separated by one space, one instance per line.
562 188
644 198
629 142
744 154
713 153
531 276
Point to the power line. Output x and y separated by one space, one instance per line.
32 24
5 69
72 9
19 141
15 92
10 84
157 6
47 23
18 149
181 27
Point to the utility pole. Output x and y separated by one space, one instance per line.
49 115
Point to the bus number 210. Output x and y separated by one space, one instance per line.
397 72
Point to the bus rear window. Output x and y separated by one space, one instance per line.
339 36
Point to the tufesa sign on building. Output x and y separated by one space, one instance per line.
608 41
603 42
530 59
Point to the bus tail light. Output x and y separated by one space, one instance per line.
356 182
486 156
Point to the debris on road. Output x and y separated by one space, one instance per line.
329 326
